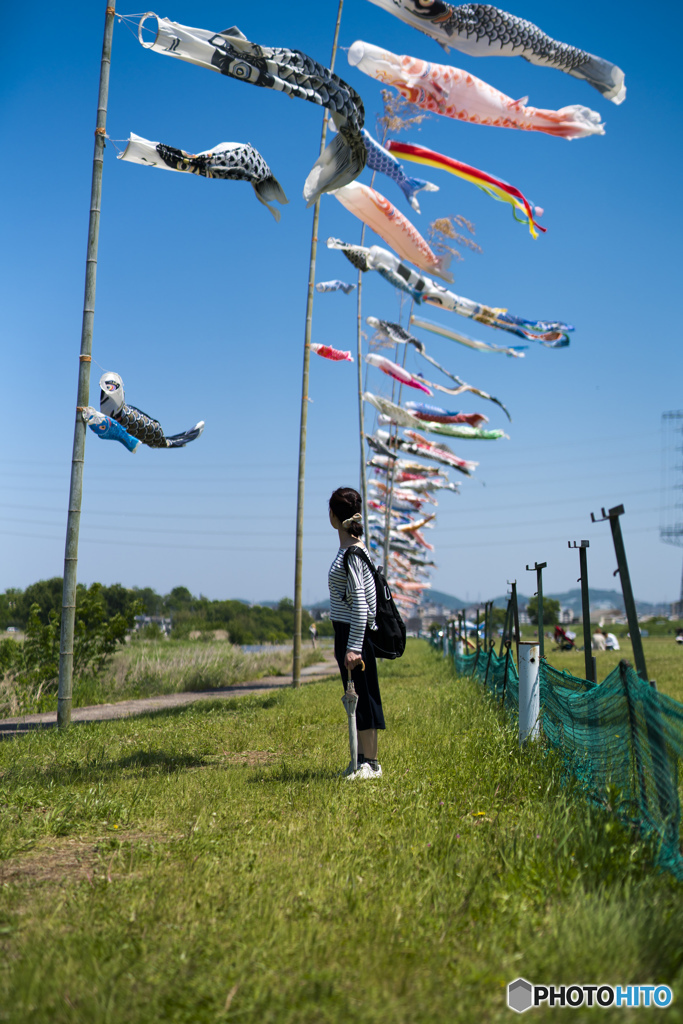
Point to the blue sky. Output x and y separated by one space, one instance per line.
201 300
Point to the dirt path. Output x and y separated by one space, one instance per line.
11 727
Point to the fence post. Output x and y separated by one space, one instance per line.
529 692
589 660
515 615
506 627
629 602
539 567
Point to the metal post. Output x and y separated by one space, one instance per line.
629 602
515 615
477 632
539 567
529 696
66 640
589 660
506 627
298 568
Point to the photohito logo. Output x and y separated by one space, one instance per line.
522 995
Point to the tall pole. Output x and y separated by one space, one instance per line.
361 414
66 643
389 496
298 570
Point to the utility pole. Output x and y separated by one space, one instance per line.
299 558
66 640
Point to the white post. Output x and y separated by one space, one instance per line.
529 699
445 640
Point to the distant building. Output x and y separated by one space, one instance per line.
604 616
153 620
567 616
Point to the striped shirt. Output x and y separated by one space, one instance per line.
352 598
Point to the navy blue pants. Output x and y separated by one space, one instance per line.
369 714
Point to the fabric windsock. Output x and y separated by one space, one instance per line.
397 372
334 286
108 429
378 213
497 188
136 422
481 30
381 160
445 90
291 72
230 161
438 415
392 413
336 354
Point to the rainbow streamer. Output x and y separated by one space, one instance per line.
494 187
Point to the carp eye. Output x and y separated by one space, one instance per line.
240 69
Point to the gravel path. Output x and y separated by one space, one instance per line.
11 727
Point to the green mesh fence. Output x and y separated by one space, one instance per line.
620 736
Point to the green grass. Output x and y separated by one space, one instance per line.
147 668
663 657
208 865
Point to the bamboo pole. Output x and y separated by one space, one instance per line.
361 421
361 413
66 643
298 569
389 494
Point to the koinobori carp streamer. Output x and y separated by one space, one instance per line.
481 30
289 71
378 213
449 91
335 354
136 422
229 161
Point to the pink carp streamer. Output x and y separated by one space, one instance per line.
331 353
378 213
451 92
395 371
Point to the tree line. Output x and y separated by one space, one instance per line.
244 623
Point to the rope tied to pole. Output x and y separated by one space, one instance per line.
110 10
85 359
100 131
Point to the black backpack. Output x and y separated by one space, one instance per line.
389 639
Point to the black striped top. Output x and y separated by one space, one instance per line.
352 597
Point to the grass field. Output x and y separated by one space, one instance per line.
663 657
146 668
208 865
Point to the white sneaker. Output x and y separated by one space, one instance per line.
365 772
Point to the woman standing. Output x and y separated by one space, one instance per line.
352 611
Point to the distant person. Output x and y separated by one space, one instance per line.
679 636
599 640
353 604
611 642
313 630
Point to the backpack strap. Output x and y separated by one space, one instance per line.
364 557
